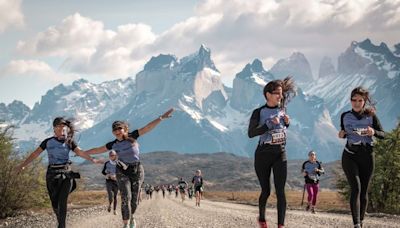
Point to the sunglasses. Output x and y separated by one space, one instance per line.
117 128
355 100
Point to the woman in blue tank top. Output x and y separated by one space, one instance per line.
130 173
359 126
60 180
269 122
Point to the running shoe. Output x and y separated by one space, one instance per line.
308 208
109 208
312 211
133 223
281 226
115 212
262 224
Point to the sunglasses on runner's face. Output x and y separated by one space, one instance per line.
357 100
117 128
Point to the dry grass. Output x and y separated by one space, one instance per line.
87 198
327 200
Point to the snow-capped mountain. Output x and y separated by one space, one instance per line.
86 102
376 68
211 117
14 112
296 66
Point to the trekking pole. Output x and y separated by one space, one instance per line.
302 199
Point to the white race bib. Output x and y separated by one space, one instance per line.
361 131
278 138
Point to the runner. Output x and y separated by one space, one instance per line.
270 122
182 188
60 179
359 126
197 181
109 170
311 170
130 172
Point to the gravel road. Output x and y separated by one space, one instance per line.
171 212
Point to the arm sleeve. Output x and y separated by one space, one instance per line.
73 145
342 124
43 145
254 129
379 133
104 169
134 134
303 166
109 145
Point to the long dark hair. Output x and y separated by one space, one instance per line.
69 123
369 106
288 89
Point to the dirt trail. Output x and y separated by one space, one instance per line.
171 212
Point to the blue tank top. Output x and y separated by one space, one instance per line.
57 150
127 151
356 128
276 133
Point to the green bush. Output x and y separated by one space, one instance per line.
384 194
22 190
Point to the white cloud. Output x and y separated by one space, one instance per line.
90 49
236 31
10 14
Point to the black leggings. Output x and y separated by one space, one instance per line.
358 168
273 157
112 192
59 188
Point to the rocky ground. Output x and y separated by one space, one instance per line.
171 212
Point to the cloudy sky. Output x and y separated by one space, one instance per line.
47 42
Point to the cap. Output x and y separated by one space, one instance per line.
119 125
59 120
311 153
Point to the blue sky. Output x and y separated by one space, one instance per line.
44 43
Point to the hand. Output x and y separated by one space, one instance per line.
370 131
341 134
286 118
19 168
167 114
98 161
275 120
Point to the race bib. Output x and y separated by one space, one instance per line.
361 131
278 138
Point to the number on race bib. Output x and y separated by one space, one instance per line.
278 138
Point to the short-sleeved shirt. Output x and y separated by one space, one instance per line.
309 167
110 167
197 181
126 150
57 150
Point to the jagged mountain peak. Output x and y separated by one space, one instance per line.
326 68
198 61
161 61
296 66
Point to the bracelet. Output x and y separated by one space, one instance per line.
161 118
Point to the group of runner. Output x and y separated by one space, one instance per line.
360 126
124 171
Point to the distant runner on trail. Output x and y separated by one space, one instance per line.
130 173
182 188
311 170
197 182
109 170
360 126
270 122
60 179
